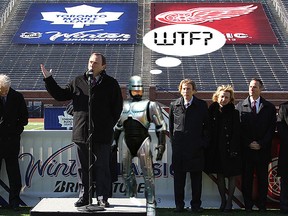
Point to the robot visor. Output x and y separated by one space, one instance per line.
137 87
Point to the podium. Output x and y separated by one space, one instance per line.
65 207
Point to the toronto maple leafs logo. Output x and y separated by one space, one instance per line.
80 16
66 120
203 14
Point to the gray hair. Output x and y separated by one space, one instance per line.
5 80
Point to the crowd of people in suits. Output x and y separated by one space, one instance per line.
225 139
229 140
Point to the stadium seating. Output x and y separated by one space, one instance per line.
233 64
22 62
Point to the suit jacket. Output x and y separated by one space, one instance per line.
107 103
258 127
282 126
13 118
189 134
13 115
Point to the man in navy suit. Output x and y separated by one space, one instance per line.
258 121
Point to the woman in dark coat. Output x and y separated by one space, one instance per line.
223 153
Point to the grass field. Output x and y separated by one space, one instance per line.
24 211
35 124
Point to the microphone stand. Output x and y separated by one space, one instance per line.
90 207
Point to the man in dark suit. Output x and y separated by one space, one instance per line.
188 125
106 104
13 118
282 126
258 121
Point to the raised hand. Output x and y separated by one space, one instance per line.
45 72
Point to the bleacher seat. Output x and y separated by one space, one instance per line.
232 64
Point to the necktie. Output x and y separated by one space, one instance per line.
187 105
94 81
254 107
3 101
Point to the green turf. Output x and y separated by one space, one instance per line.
24 211
34 126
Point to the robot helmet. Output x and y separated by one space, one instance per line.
135 83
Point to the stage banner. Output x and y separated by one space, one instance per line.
48 169
70 23
241 23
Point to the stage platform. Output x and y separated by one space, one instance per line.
65 207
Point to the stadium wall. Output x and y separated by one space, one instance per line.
37 100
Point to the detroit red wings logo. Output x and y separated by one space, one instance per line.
203 14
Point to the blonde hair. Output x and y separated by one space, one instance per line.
187 81
225 88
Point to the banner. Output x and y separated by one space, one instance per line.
48 169
241 23
57 118
79 23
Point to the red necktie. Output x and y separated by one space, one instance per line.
254 107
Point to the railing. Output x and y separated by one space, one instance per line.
282 11
6 12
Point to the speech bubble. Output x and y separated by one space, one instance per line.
155 71
168 62
184 40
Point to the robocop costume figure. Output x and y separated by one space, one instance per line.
135 121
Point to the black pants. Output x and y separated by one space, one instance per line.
100 169
179 188
284 193
254 162
10 154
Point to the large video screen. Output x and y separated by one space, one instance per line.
79 23
241 23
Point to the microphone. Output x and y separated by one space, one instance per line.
89 72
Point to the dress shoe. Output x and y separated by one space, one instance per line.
227 210
81 202
222 206
262 209
103 203
16 207
284 211
197 210
179 209
248 210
